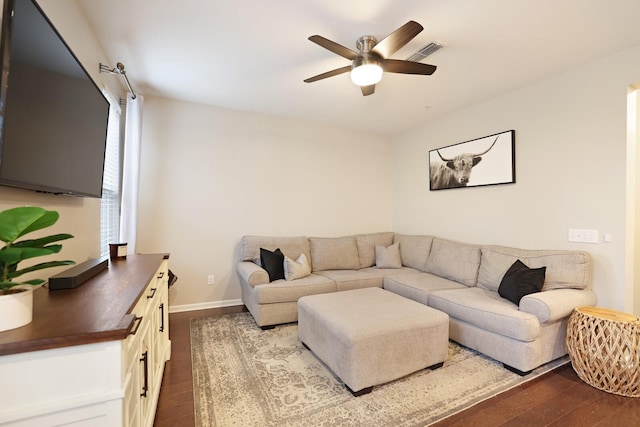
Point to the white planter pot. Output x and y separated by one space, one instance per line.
16 310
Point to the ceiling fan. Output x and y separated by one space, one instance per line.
372 60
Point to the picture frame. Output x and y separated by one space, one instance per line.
489 160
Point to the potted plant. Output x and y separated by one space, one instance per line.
16 297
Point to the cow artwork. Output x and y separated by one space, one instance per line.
456 171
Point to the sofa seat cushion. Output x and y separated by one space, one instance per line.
290 291
417 285
487 310
384 272
352 279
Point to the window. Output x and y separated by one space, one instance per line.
110 203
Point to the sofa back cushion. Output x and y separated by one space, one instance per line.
455 261
290 246
565 269
414 250
334 253
366 244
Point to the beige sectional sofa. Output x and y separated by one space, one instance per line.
459 279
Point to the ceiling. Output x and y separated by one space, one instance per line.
253 55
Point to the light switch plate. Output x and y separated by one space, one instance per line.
580 235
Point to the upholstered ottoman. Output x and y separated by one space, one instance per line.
371 336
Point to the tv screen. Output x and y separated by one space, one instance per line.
53 116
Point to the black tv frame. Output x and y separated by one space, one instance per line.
6 31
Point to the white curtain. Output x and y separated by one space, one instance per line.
131 173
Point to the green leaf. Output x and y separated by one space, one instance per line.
19 221
13 255
6 285
38 243
15 223
37 267
7 268
34 282
36 252
47 219
10 256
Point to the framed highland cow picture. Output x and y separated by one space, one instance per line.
490 160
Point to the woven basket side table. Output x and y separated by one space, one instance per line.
604 348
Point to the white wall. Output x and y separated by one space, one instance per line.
79 217
635 165
210 175
570 170
632 297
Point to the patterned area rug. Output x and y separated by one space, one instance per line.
243 376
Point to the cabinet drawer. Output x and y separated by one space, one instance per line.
132 342
162 276
131 352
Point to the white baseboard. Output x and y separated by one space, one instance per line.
204 305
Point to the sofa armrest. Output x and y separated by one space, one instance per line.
252 273
557 303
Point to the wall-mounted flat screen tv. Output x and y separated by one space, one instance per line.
53 117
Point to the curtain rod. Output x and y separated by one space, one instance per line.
119 69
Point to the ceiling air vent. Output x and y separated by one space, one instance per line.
425 51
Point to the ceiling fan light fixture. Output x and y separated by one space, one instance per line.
366 70
372 58
366 75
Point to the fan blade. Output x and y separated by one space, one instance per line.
328 74
396 40
368 90
407 67
334 47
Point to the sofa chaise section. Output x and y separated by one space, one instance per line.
521 336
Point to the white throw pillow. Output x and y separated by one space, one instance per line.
388 257
296 269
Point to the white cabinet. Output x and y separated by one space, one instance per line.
94 355
145 352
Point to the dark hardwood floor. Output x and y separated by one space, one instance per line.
558 398
175 407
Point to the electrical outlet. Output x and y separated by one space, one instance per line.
210 279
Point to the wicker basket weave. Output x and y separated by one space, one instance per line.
604 348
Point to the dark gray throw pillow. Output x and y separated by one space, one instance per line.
520 280
273 262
